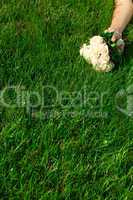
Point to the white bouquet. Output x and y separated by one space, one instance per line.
101 52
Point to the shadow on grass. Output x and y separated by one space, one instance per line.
129 51
128 55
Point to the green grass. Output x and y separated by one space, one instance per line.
70 151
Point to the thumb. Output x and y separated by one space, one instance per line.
116 36
113 39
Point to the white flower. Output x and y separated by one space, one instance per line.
96 39
97 54
85 51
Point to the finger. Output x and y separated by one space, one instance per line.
113 39
116 36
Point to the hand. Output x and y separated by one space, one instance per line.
117 37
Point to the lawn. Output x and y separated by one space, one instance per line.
66 131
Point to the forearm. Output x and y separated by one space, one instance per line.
122 15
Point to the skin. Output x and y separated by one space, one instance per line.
122 15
